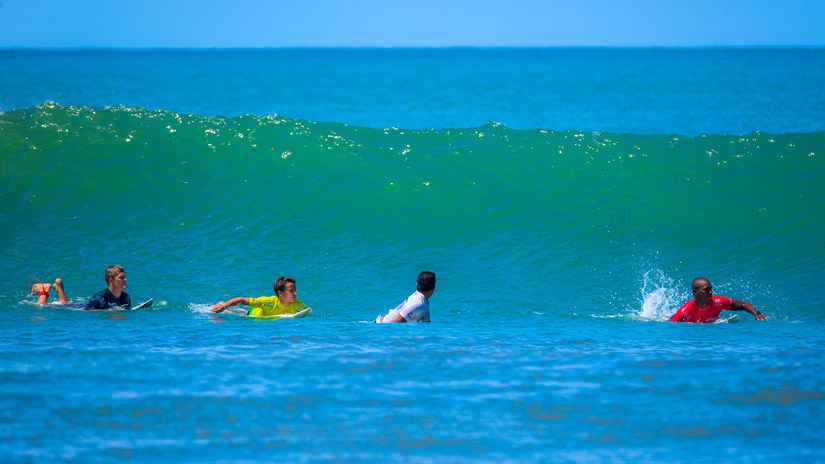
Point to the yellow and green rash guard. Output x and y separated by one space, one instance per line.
271 306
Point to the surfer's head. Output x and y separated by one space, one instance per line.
286 290
425 282
702 289
116 279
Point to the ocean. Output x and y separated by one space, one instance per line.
565 199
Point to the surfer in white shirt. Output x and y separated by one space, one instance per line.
416 308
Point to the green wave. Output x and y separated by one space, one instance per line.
516 195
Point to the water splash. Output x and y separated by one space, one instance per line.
660 297
202 308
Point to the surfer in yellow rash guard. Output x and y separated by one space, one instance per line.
284 301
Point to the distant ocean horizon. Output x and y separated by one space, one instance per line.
564 197
685 91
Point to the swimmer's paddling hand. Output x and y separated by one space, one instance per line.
747 307
222 306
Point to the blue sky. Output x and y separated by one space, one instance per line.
402 23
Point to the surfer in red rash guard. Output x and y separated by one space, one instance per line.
704 307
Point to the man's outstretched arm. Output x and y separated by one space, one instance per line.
736 305
220 307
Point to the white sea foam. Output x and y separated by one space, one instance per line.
660 297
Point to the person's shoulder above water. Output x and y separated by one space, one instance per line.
98 300
722 301
416 308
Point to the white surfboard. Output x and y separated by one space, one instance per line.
298 315
145 304
729 320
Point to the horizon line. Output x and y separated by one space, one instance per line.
409 47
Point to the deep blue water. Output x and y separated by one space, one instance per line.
565 199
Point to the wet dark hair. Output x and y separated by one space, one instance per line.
280 284
426 281
698 279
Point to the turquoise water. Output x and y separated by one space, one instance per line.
565 198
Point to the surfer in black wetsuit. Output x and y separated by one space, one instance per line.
114 295
105 299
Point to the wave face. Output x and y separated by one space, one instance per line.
593 212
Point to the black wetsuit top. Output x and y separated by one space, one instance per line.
104 298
